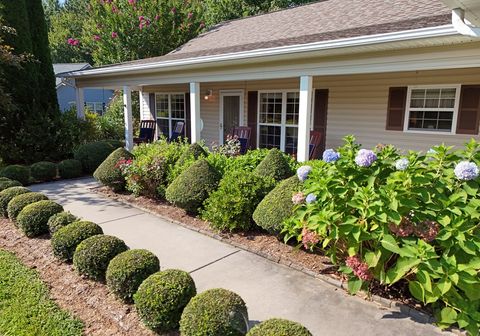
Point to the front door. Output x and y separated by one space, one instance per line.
231 113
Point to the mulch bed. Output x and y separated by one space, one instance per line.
90 301
263 244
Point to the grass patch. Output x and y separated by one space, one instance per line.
25 306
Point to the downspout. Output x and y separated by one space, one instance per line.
458 21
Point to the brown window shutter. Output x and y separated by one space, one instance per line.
188 127
469 110
397 102
252 117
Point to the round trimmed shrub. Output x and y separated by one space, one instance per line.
161 298
43 171
4 179
92 255
231 206
109 174
9 184
277 206
17 172
19 202
275 165
70 168
92 154
279 327
7 195
66 239
215 312
33 219
192 187
194 151
128 270
60 220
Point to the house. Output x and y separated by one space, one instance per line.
95 99
405 72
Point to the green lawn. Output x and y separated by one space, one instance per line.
25 307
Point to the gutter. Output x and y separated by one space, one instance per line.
402 36
458 22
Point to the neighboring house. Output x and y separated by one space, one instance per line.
403 72
95 100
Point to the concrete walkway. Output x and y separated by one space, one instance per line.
269 289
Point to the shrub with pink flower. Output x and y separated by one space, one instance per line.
73 42
309 238
123 164
359 268
298 198
427 230
404 229
114 34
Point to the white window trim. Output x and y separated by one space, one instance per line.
169 94
231 93
283 126
408 109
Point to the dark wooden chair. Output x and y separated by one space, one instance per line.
243 135
315 141
147 132
178 131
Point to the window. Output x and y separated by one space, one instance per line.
96 107
432 108
170 109
278 120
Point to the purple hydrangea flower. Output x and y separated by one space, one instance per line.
466 171
330 156
365 158
310 198
402 164
303 172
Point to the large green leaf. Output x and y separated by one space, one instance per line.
390 244
417 290
354 285
448 315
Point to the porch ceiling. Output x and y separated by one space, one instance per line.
471 7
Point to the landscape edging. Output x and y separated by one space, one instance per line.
392 305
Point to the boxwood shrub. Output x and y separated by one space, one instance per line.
277 206
128 270
92 255
17 203
161 298
231 206
9 184
60 220
70 168
66 239
91 155
215 312
43 171
192 187
17 172
279 327
4 179
275 165
7 195
109 173
191 154
33 219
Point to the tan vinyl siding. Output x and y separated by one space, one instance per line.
358 105
145 113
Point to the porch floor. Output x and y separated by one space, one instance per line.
269 289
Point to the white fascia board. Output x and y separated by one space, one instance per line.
432 32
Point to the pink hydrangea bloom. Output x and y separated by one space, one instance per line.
360 269
427 230
404 229
298 198
309 238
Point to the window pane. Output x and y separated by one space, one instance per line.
291 137
293 101
270 136
162 105
163 128
271 108
178 106
430 121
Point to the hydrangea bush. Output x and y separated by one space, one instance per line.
385 217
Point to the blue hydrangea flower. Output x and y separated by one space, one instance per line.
365 158
402 164
466 171
330 155
310 198
303 172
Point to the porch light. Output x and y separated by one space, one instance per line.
208 94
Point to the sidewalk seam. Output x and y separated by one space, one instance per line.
120 218
214 261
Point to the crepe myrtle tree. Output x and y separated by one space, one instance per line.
124 30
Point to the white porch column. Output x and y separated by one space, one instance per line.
127 111
195 112
80 103
304 119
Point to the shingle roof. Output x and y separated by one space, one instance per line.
68 67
